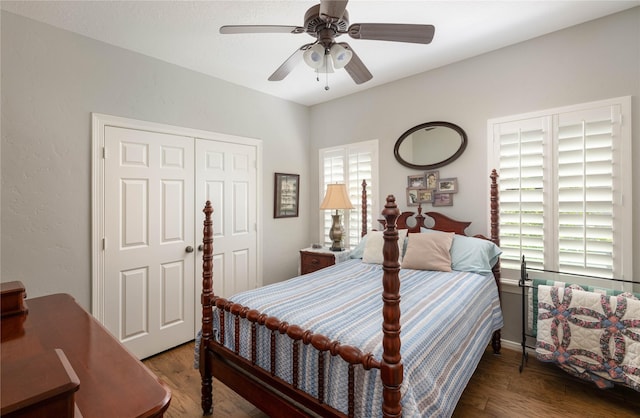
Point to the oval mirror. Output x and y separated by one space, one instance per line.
430 145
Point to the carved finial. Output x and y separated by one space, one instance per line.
391 212
208 209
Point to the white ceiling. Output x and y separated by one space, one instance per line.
186 33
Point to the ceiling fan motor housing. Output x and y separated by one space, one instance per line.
324 30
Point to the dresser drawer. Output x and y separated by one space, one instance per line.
312 261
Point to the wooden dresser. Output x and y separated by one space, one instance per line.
112 382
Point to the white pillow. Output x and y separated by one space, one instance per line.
429 251
375 242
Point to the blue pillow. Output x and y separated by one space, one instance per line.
472 254
358 252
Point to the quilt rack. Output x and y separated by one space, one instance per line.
524 283
527 285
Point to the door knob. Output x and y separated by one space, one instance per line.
200 247
189 249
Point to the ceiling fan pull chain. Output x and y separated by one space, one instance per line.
326 86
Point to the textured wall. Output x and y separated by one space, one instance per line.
593 61
51 82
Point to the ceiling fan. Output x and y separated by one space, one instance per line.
325 22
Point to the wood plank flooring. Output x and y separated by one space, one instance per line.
496 389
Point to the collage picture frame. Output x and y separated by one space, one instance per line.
430 188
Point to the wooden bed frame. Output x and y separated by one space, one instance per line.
273 395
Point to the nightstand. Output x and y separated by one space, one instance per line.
313 259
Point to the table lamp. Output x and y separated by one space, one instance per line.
336 198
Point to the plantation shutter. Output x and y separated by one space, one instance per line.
334 164
360 168
521 187
585 193
349 164
564 175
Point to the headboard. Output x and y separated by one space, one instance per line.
445 223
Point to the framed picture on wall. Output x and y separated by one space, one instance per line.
442 199
416 181
412 196
448 185
287 195
425 195
432 179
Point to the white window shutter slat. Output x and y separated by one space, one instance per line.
350 164
560 188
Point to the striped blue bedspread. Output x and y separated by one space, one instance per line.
447 320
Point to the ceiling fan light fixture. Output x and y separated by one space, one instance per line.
340 56
327 67
314 56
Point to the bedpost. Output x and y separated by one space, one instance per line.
207 311
364 209
391 369
495 218
495 238
495 208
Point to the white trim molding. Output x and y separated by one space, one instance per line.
98 124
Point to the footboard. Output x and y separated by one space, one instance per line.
231 361
235 355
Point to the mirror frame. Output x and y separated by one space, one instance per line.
459 130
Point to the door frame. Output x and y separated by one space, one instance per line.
99 122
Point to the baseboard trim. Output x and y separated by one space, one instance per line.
511 345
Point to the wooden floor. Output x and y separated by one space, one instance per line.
496 389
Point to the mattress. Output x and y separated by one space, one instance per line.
447 320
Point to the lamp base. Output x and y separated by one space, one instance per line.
335 233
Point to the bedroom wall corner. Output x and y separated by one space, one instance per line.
52 81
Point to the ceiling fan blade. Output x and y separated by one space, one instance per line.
397 32
356 68
230 29
289 64
332 9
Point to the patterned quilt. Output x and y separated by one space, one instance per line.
533 297
590 335
447 321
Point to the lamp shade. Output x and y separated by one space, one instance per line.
340 55
314 56
336 197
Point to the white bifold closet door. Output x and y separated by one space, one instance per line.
155 187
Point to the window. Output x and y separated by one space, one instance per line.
350 164
565 188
